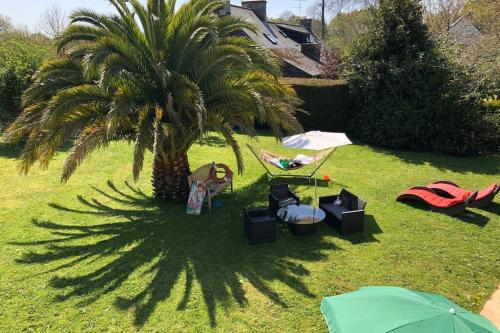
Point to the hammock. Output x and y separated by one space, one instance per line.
299 162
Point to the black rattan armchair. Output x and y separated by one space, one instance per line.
281 196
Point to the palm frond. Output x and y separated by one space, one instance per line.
153 75
71 98
144 139
228 133
91 138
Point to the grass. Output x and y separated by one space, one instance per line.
99 255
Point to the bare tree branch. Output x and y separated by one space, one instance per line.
5 24
53 21
441 14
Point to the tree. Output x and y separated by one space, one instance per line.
339 7
482 58
344 29
410 94
484 14
441 14
157 77
53 21
287 17
5 24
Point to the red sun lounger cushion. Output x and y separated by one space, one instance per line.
450 206
433 199
487 191
449 189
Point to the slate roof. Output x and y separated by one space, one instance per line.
464 31
284 47
295 27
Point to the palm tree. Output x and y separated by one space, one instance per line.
157 77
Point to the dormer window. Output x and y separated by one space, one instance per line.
271 38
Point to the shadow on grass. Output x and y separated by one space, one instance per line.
9 150
371 228
296 181
468 216
493 208
473 218
214 141
157 243
488 165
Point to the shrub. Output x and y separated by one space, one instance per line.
409 94
332 63
10 91
491 116
326 102
19 58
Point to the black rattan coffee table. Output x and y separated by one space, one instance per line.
301 219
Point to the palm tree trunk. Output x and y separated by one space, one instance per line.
170 177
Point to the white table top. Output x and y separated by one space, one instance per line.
302 214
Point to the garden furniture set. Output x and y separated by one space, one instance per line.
344 212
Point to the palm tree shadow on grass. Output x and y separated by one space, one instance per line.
159 239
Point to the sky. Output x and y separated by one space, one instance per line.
26 13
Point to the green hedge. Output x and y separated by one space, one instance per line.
326 102
19 58
491 117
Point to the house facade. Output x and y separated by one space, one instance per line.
296 45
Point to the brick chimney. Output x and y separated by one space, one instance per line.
307 23
259 7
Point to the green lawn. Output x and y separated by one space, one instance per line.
99 255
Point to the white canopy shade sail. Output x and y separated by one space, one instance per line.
316 140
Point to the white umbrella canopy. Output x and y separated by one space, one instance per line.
316 140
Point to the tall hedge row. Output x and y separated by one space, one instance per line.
327 104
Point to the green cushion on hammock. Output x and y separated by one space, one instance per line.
290 164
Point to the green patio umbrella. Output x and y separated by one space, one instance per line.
399 310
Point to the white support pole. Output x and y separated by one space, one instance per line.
315 193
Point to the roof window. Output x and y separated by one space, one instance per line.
271 38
